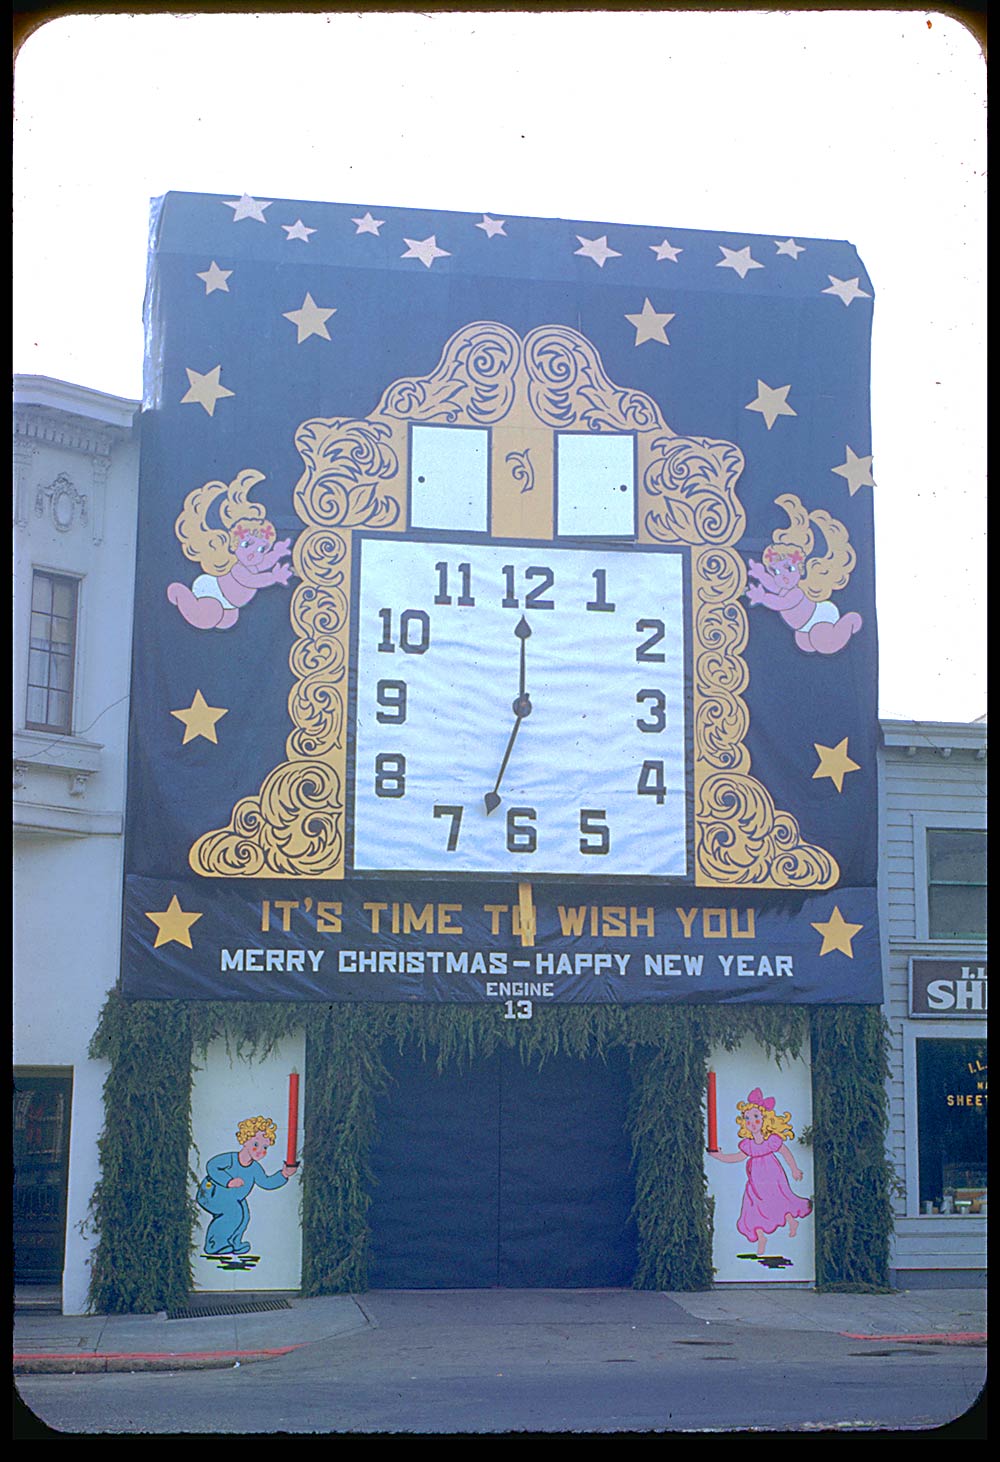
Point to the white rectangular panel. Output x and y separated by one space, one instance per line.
449 477
595 485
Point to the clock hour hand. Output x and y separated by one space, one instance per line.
521 708
523 631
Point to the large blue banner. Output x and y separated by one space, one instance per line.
504 613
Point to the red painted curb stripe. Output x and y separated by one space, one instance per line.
960 1337
147 1354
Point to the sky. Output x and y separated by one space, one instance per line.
842 124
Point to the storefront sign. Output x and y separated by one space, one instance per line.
948 987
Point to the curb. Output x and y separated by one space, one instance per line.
46 1363
955 1337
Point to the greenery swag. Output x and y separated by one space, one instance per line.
143 1204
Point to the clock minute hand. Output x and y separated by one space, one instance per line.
492 799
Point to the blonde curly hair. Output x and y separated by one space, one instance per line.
773 1122
822 576
246 1129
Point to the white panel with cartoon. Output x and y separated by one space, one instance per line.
250 1234
761 1178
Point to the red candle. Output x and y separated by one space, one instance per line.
713 1129
293 1117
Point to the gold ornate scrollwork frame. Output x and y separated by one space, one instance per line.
355 475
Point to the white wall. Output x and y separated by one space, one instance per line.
69 792
932 773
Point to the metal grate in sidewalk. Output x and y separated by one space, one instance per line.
225 1307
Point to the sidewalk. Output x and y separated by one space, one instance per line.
49 1342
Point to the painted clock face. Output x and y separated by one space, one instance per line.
518 708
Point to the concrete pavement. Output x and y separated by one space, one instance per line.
50 1342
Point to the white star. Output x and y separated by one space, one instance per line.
205 390
738 259
310 319
790 247
215 278
368 225
857 470
426 250
597 249
666 250
297 230
649 325
492 226
845 289
771 403
247 207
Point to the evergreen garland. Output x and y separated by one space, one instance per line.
143 1206
852 1173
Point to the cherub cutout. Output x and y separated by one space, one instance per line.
799 587
238 557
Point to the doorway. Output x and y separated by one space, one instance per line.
503 1175
42 1104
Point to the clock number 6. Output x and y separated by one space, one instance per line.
390 774
521 835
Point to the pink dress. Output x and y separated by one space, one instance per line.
768 1200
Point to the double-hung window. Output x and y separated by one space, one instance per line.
51 652
956 883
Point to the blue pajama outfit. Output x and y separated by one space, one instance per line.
229 1205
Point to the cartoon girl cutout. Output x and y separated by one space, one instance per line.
230 1179
238 557
768 1201
798 587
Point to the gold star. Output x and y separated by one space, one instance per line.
771 403
173 924
205 390
649 325
215 278
837 934
199 719
310 319
857 470
834 763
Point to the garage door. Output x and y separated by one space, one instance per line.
503 1175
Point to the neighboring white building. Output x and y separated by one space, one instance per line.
933 916
75 484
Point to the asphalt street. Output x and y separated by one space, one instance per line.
508 1361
